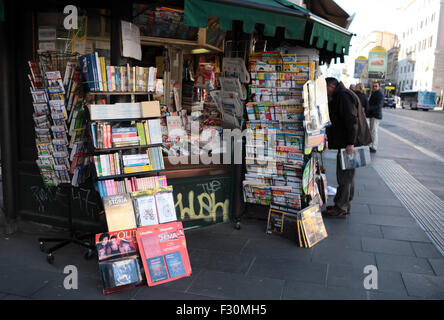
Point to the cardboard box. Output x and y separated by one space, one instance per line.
150 109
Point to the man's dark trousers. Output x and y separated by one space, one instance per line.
346 185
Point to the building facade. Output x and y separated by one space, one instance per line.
362 45
420 66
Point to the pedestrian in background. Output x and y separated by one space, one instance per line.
360 92
348 129
376 103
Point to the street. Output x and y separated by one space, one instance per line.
420 150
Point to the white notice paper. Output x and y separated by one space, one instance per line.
131 41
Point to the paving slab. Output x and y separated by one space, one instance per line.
424 286
235 286
341 242
220 261
295 290
426 250
403 233
350 277
395 247
403 264
216 242
15 298
382 220
438 266
24 281
278 248
343 227
343 257
285 269
88 289
388 211
163 293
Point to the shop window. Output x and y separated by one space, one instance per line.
162 22
93 33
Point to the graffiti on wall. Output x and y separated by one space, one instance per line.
203 205
46 197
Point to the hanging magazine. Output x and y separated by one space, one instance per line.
360 158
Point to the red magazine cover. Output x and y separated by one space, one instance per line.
164 253
119 261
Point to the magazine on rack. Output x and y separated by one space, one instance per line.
360 158
311 226
119 260
164 252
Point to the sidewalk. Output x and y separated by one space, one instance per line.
248 264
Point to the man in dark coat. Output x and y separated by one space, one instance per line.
375 114
349 129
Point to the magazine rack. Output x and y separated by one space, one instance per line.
74 236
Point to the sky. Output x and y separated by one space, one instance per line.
369 16
372 15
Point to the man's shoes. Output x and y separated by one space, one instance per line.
335 212
372 150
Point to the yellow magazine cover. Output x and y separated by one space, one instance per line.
313 225
119 212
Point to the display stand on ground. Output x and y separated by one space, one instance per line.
74 236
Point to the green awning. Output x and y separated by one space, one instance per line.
270 13
332 40
324 35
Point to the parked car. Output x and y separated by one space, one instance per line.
389 103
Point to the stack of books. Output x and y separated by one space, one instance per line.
114 111
151 160
105 78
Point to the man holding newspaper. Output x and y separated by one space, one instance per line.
349 129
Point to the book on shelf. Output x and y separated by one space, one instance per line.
143 133
106 78
107 164
119 212
130 185
164 252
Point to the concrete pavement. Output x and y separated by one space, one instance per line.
248 264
